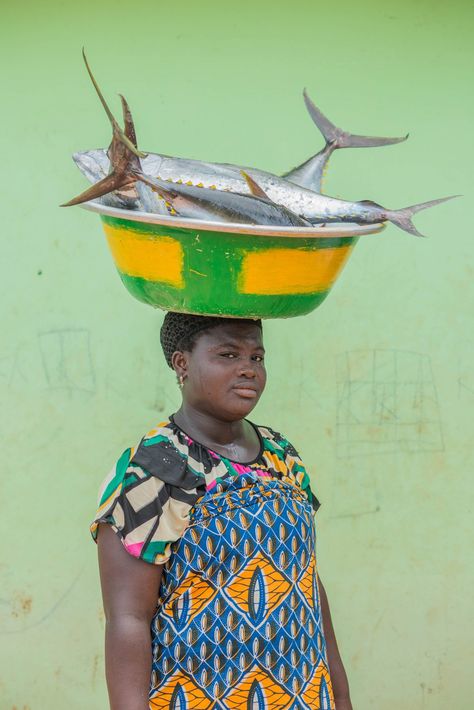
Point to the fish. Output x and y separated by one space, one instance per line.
95 164
310 174
187 201
149 200
222 206
312 206
224 177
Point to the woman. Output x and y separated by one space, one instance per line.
206 532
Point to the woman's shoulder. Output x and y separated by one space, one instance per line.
164 452
277 442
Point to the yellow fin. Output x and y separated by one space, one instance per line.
254 187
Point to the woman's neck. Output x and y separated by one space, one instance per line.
207 428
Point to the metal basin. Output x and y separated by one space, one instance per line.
223 269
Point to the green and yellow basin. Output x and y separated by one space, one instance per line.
223 269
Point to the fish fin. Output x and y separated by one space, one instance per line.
166 193
108 184
104 103
117 130
150 201
129 125
402 217
342 139
253 186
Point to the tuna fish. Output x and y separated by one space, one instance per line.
188 201
128 164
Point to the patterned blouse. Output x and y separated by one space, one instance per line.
148 496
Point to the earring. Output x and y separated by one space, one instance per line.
181 382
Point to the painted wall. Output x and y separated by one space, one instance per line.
376 388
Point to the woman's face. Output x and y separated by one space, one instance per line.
224 375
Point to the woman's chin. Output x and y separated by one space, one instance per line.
237 410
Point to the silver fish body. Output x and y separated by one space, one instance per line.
222 206
226 177
310 205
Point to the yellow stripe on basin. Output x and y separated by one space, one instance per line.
151 258
285 271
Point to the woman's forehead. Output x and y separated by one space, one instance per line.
233 332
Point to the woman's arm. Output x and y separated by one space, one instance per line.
339 681
130 594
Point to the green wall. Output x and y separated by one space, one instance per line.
376 388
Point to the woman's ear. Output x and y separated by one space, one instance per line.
179 362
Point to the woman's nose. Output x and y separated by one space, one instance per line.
248 368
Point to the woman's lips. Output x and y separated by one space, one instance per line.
245 391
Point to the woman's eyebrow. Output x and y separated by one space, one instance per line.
235 344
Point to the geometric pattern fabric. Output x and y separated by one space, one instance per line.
238 623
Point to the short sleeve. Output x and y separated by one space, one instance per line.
145 509
296 469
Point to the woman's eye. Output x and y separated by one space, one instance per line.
233 356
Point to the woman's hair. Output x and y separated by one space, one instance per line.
180 330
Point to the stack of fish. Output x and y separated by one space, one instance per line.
125 177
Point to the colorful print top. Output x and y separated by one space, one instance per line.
149 494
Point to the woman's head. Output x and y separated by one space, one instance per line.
220 362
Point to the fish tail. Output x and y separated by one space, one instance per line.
103 187
104 103
126 111
129 124
403 218
342 139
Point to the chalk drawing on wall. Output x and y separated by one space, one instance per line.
67 359
13 370
386 402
